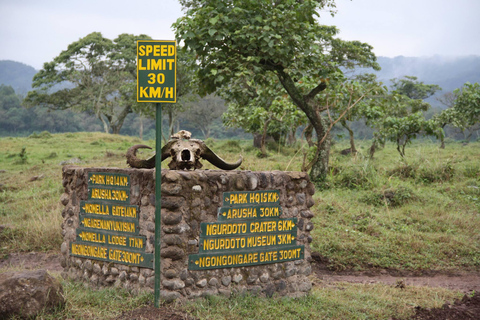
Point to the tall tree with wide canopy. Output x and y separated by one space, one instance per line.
249 38
93 74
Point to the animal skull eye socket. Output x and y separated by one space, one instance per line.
185 155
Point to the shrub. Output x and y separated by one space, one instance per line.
472 171
436 173
231 146
404 171
98 143
355 176
391 197
41 135
425 172
22 156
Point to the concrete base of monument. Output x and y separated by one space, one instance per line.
223 232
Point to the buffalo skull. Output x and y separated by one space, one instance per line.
185 153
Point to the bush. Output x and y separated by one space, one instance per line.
438 173
472 171
41 135
404 171
23 158
355 176
231 146
425 172
391 197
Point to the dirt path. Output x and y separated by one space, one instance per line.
466 282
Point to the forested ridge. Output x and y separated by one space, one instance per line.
15 120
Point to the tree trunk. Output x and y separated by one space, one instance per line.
105 124
353 150
308 133
372 148
306 103
170 122
291 139
264 138
319 170
120 120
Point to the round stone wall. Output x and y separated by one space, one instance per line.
191 201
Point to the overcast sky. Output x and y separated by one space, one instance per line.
36 31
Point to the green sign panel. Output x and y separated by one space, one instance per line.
114 239
156 71
267 211
248 226
248 198
249 232
103 208
109 224
244 258
109 194
108 179
209 244
126 256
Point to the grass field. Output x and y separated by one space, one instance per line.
420 213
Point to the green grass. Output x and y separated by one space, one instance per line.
342 301
83 302
419 213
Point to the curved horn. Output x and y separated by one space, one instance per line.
218 162
166 149
134 162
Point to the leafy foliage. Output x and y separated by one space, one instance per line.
398 116
252 40
467 103
93 74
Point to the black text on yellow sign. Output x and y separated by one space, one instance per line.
156 71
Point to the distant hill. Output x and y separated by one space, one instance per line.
447 72
17 75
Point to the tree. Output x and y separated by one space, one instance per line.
263 110
346 100
447 116
463 109
245 38
467 106
11 111
93 74
202 113
398 115
414 89
186 85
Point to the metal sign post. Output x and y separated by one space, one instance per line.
156 82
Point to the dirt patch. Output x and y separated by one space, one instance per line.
466 309
32 261
151 313
466 282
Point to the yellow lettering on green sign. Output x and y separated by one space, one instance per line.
109 194
156 50
108 225
226 229
89 251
